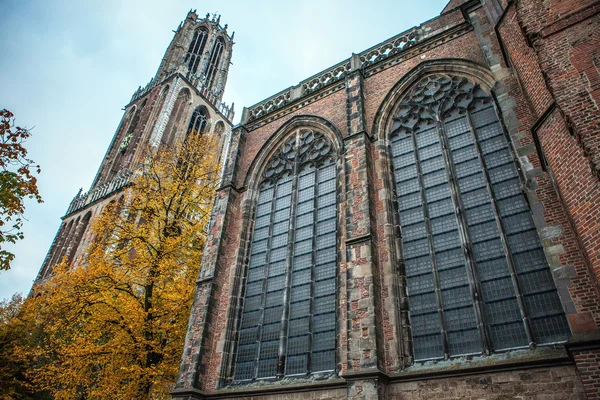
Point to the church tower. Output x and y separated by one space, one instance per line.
185 95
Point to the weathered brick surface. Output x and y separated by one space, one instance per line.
559 383
588 365
556 161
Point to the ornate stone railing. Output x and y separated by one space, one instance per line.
121 179
336 73
212 96
140 92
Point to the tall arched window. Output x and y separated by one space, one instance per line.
477 277
175 119
194 53
198 121
288 324
214 61
80 230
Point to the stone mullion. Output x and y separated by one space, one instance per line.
285 315
503 239
474 282
434 266
313 268
265 279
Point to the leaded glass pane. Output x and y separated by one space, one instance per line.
482 229
309 268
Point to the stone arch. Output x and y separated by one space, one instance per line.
273 142
199 121
62 245
469 69
80 231
157 107
180 107
457 181
295 133
195 51
214 61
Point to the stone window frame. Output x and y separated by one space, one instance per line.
249 201
381 126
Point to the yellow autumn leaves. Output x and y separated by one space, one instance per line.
113 327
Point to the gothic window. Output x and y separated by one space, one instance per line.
214 61
80 229
288 323
477 277
198 121
175 119
194 53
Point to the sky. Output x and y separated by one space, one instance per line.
68 67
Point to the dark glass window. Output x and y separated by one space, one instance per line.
288 322
214 61
198 121
477 276
194 53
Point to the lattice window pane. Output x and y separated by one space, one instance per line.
267 368
296 364
271 331
428 347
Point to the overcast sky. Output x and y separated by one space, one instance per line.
68 67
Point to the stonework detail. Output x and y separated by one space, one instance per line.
531 67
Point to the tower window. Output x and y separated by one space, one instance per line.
288 324
198 121
476 273
194 53
214 61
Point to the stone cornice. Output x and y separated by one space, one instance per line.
295 98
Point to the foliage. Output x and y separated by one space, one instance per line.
16 334
16 183
115 324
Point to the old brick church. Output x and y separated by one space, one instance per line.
419 221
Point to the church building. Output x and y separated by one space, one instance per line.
418 221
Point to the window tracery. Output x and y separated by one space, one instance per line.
288 323
477 277
195 50
198 121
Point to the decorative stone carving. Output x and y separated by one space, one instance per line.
435 97
305 148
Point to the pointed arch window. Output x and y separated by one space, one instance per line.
477 277
194 53
198 121
288 323
214 61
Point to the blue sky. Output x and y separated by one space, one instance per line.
68 67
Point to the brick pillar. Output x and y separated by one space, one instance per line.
362 279
187 385
584 349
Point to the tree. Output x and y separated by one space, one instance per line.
115 325
16 183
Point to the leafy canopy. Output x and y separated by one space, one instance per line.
16 183
114 325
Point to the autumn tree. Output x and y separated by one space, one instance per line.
17 183
18 338
115 325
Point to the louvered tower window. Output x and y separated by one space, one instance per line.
198 121
194 53
288 324
477 277
214 61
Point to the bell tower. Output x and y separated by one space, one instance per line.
184 96
201 51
